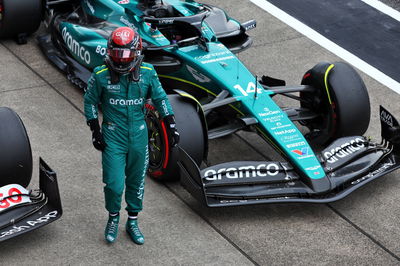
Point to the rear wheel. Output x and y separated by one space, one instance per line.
15 152
20 17
162 157
341 101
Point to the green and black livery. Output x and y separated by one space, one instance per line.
193 47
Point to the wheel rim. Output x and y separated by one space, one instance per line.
156 143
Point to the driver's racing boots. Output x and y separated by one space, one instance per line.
133 231
111 231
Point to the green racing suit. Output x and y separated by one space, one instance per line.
125 158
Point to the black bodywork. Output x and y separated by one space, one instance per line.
44 208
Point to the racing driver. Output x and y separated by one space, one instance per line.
122 86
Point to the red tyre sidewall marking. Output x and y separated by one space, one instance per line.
166 144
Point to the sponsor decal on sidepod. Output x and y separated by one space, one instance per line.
75 46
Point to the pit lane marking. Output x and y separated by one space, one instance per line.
329 45
383 8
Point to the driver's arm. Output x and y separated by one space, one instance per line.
92 97
160 100
158 95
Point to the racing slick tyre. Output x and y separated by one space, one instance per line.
15 152
162 158
341 101
19 17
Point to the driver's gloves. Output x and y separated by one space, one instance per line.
173 134
97 136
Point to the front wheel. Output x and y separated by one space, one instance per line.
15 151
162 157
340 100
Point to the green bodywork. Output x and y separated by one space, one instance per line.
212 71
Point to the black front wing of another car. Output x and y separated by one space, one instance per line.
44 207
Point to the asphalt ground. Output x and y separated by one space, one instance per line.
361 229
349 23
392 3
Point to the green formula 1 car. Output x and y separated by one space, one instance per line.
193 46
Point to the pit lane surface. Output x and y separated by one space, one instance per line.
355 26
360 229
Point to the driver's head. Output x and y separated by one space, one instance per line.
124 48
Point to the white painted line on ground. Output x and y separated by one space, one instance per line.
329 45
383 8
